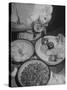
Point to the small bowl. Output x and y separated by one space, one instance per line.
41 51
21 50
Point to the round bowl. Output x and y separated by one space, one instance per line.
33 73
52 56
21 50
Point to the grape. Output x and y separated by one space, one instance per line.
50 45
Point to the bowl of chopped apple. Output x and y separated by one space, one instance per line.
51 49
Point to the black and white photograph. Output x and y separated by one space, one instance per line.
36 44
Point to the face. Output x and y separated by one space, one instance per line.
45 19
43 12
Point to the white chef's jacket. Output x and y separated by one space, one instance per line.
30 12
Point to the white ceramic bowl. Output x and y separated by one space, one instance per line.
44 53
21 50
